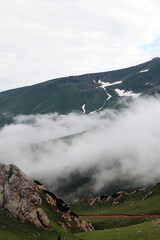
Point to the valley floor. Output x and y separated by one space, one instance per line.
136 217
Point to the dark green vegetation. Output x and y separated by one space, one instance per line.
68 94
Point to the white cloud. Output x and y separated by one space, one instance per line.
43 39
119 145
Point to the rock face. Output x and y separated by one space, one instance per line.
21 197
18 195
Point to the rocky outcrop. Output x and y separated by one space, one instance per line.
122 196
104 199
147 195
18 195
101 199
22 198
139 190
69 218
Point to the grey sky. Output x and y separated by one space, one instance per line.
44 39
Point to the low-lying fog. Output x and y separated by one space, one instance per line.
123 144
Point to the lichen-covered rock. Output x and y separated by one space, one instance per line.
18 195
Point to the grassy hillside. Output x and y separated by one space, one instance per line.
144 231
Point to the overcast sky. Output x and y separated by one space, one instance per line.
45 39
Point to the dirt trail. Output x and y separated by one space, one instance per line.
121 216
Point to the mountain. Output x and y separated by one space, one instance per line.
85 93
29 211
28 204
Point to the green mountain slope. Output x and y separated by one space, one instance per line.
68 94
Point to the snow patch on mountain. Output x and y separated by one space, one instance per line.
148 83
109 96
143 71
123 93
83 108
96 110
107 84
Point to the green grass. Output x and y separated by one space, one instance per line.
143 231
108 223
